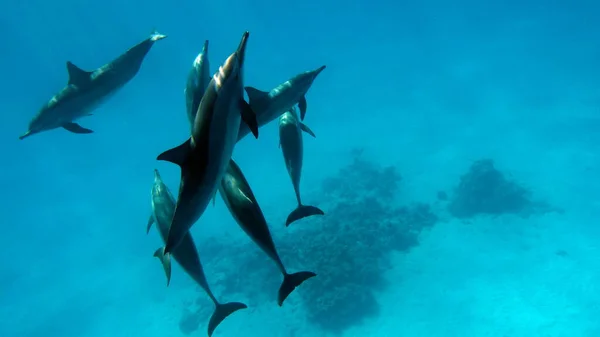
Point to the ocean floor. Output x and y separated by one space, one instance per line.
494 278
490 277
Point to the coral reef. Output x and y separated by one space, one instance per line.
485 190
348 248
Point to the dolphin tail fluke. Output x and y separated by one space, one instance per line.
165 260
223 311
291 282
150 223
301 212
249 117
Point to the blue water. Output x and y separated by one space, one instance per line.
428 87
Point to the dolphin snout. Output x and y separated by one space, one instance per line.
319 70
241 51
156 175
157 36
25 135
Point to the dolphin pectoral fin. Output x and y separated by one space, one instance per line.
76 128
291 282
150 223
302 106
165 260
249 117
301 212
177 155
306 129
255 94
78 76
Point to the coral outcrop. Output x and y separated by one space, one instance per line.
485 190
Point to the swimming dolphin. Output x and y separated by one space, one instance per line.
86 90
205 155
186 254
290 141
242 204
270 105
197 82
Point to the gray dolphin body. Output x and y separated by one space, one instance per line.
186 254
197 83
86 90
270 105
204 157
290 141
242 204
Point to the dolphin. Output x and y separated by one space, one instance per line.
197 82
290 141
86 90
242 204
186 254
204 156
270 105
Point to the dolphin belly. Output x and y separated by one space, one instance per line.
224 132
185 253
290 137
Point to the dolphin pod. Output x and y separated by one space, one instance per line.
200 170
204 156
219 118
86 90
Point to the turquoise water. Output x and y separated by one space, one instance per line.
421 235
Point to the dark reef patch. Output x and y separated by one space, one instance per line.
485 190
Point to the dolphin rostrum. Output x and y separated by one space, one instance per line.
242 204
86 90
270 105
290 141
204 157
197 82
186 254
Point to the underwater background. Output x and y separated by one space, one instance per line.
456 159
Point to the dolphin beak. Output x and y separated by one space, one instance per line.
205 47
241 51
319 70
157 36
25 135
156 175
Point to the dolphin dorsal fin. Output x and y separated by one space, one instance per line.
177 155
78 76
255 94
